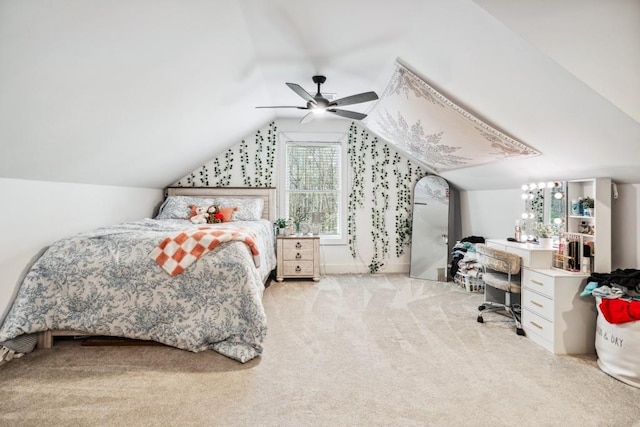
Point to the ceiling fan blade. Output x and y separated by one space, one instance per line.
354 99
307 118
348 114
286 106
303 93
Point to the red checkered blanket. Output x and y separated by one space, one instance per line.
177 252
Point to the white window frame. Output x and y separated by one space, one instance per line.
314 138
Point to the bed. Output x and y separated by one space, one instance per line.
106 282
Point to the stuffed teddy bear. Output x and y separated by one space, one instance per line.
215 216
201 215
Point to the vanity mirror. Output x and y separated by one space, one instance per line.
544 203
581 210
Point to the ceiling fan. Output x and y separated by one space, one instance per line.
319 104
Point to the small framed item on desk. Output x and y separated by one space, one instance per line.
298 257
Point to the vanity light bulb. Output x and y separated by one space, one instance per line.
557 221
530 196
524 196
542 185
533 186
525 187
550 184
531 237
558 195
524 215
531 215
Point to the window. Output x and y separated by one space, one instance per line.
313 186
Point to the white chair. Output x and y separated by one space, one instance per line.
501 277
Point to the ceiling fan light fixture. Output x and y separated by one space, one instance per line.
319 104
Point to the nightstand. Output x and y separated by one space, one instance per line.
298 257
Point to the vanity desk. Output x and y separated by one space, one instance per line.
554 315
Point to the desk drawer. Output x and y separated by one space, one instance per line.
538 325
538 282
538 304
298 268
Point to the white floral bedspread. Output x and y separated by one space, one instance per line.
103 282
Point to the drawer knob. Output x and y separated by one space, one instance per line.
298 245
537 303
535 282
298 269
298 256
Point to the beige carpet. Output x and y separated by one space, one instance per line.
347 351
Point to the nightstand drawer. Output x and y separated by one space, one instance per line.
538 282
298 255
295 268
538 304
291 245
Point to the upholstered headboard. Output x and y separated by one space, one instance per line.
267 194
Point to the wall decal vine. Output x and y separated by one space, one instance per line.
403 208
357 166
225 179
216 169
257 161
271 154
378 155
380 198
244 161
219 172
194 179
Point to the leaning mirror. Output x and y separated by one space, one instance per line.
430 229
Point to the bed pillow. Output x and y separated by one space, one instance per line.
227 213
193 211
248 209
177 207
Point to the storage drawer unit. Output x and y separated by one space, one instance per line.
554 315
298 257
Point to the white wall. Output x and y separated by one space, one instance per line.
36 213
491 214
625 222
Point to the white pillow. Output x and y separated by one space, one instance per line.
177 207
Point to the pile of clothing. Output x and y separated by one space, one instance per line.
619 292
464 258
17 347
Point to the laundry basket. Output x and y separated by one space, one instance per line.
618 346
468 282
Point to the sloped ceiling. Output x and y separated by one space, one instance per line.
139 93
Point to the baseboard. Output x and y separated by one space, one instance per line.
352 268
